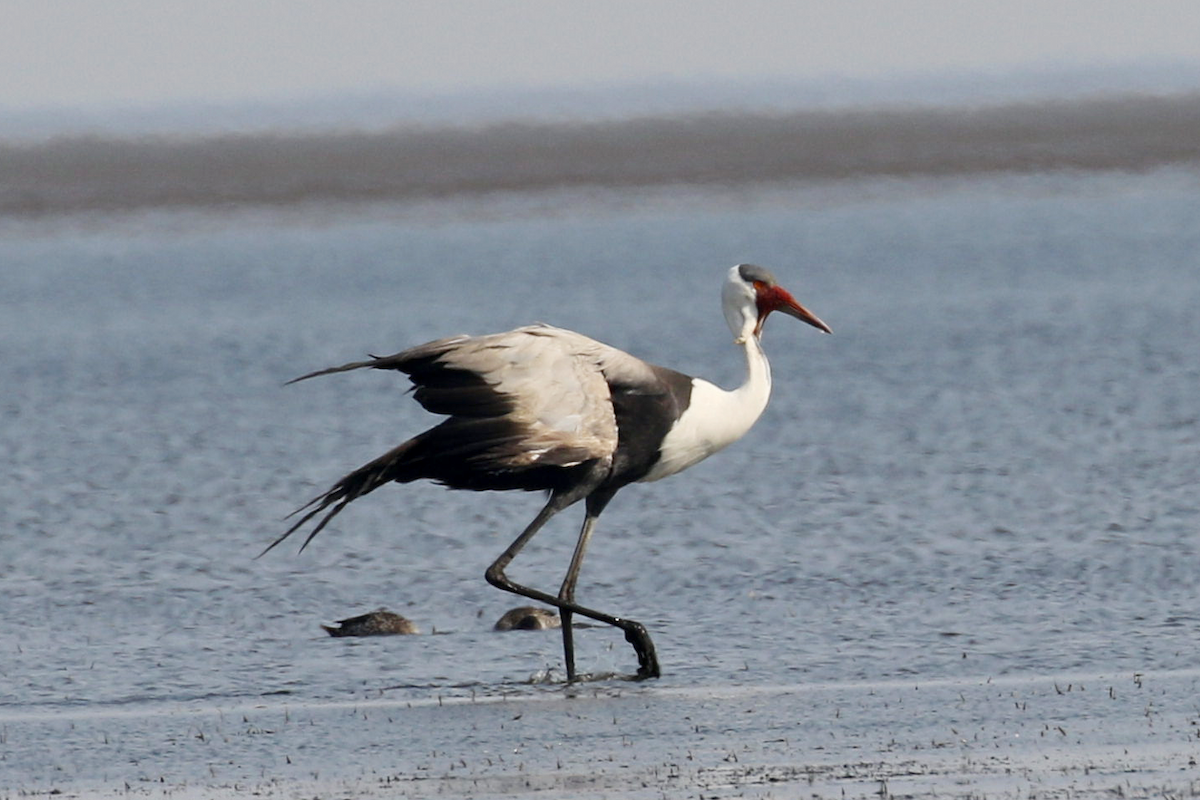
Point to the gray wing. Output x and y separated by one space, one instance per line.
524 408
545 381
549 383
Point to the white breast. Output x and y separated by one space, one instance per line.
714 419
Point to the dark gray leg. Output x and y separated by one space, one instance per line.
567 592
635 632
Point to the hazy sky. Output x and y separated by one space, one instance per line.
82 52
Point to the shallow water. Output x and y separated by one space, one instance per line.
988 472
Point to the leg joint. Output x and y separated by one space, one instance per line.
496 577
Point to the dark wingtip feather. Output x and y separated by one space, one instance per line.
363 480
327 500
398 361
324 521
321 497
331 370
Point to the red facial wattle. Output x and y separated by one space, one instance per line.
776 298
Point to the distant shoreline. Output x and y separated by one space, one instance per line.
92 173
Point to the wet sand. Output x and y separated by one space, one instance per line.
81 173
1079 736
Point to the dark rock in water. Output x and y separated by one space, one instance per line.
528 618
377 623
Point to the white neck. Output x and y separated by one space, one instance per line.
716 418
752 395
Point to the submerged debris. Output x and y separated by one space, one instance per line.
380 622
528 618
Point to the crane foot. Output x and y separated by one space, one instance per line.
636 635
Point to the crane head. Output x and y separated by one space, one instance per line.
751 294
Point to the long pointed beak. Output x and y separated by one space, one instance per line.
779 299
